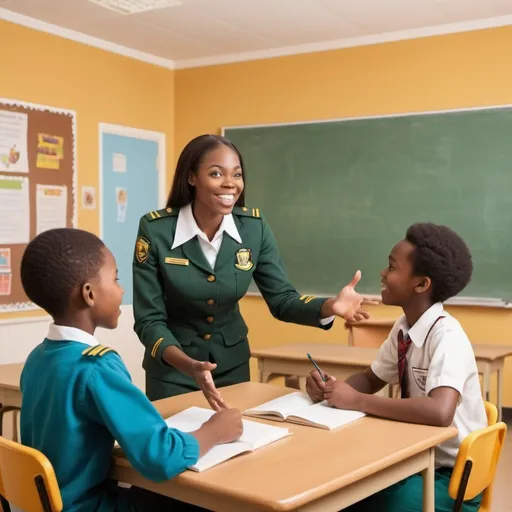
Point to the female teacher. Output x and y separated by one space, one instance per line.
194 261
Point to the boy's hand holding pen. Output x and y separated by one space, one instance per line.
315 382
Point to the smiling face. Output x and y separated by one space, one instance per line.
218 182
399 284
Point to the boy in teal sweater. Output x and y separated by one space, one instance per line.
78 396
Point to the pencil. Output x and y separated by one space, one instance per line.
317 367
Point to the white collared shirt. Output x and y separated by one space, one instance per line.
65 333
187 228
440 355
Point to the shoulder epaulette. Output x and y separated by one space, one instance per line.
160 214
247 212
98 351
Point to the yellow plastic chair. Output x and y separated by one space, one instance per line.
27 479
492 413
476 463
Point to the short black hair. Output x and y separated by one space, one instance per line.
182 193
442 255
56 262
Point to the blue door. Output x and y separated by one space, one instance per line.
129 190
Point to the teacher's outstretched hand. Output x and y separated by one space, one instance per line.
348 304
202 373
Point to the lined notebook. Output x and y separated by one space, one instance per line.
254 437
299 408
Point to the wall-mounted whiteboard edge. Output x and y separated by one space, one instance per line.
377 116
456 301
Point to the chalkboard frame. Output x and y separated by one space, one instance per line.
455 301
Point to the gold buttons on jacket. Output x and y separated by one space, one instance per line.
168 210
210 319
211 278
207 337
210 302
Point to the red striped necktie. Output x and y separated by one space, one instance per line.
403 346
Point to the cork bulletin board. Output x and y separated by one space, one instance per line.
37 185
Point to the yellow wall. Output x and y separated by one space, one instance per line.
100 86
446 72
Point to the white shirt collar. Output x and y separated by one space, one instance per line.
418 332
187 228
65 333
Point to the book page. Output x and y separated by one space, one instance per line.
285 405
190 420
218 454
329 417
255 435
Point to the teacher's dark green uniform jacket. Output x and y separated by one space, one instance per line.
178 299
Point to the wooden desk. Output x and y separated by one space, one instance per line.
10 393
337 360
369 333
489 358
325 470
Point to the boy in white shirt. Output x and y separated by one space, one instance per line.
427 353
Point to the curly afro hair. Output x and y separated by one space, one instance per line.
442 255
56 262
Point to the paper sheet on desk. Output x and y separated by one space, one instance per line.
255 436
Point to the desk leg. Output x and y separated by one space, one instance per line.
486 383
429 484
265 377
14 416
499 372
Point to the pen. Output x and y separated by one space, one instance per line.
317 367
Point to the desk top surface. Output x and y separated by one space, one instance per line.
315 462
10 375
322 353
344 354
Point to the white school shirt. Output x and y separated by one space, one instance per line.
187 228
66 333
440 355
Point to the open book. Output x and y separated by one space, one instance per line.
299 408
255 436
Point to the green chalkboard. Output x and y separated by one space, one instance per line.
339 194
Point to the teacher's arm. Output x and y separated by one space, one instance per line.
286 304
150 314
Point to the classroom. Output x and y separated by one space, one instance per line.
413 102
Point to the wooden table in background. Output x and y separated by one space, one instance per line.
337 360
10 393
489 358
311 470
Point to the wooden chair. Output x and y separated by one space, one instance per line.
27 479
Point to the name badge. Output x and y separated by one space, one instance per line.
176 261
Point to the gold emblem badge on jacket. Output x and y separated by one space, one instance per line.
142 249
243 258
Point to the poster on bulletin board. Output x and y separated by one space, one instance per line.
37 185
